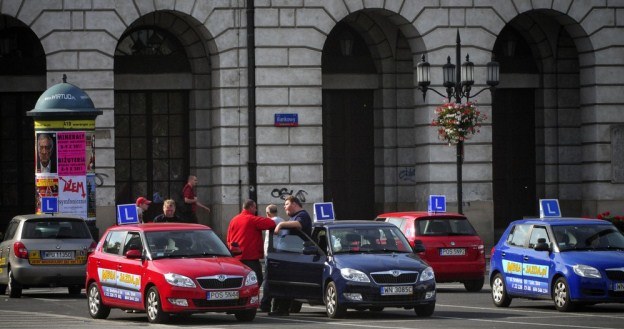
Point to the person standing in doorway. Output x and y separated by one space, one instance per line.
190 199
169 213
245 230
299 220
142 205
271 212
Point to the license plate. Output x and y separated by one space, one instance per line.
452 252
57 255
618 286
221 295
397 290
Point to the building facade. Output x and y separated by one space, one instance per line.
172 78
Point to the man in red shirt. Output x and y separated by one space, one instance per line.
190 200
246 230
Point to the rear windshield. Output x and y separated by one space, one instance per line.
57 229
446 226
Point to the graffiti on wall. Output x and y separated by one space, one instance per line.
407 174
283 193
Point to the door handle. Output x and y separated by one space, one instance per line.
526 258
503 254
274 264
119 267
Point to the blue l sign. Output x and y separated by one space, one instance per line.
549 208
437 203
127 214
324 211
49 205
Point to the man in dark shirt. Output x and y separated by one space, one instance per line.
168 214
299 220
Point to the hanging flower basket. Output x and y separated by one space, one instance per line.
617 221
457 122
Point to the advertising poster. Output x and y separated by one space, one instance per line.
71 153
91 196
72 195
90 151
46 185
45 147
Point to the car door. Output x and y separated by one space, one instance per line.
107 264
536 265
291 272
130 272
5 251
512 253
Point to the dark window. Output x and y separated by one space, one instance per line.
21 52
11 230
113 242
539 232
59 228
150 50
518 235
133 242
451 226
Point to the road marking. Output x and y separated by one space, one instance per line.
521 322
550 314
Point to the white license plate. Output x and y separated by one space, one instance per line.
222 295
452 252
58 255
618 286
397 290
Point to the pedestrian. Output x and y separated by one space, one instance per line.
169 213
271 212
299 220
190 199
245 229
142 205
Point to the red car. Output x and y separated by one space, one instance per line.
168 268
452 246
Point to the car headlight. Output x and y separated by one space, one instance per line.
586 271
179 280
354 275
251 279
427 274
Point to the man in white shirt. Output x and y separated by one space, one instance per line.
271 212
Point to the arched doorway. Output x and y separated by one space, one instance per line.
22 71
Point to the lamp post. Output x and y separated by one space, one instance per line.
457 88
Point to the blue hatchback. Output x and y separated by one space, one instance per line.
573 261
350 264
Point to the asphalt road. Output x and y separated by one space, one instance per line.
455 308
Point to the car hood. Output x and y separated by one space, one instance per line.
598 259
198 267
380 262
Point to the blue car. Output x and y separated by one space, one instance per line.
350 265
573 261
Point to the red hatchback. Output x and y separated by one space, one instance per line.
452 246
168 268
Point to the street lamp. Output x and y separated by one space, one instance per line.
457 88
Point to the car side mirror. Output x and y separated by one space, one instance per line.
542 245
235 249
418 246
134 254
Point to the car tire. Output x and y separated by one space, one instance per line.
74 290
246 315
424 310
97 309
332 305
153 307
499 292
561 296
13 288
295 306
474 285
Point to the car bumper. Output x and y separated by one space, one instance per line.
49 275
458 271
596 291
196 300
423 293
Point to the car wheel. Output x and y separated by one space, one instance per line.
246 315
153 307
13 289
332 306
474 285
424 310
74 290
561 296
499 292
97 309
295 306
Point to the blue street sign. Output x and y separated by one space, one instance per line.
324 211
49 205
127 214
437 203
286 120
549 208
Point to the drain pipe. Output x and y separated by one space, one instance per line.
251 101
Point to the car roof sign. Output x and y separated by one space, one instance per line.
437 203
549 208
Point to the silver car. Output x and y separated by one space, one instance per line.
44 251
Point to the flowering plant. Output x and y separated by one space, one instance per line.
618 221
457 122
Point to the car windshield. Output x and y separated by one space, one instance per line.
191 243
588 237
367 240
445 226
56 228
